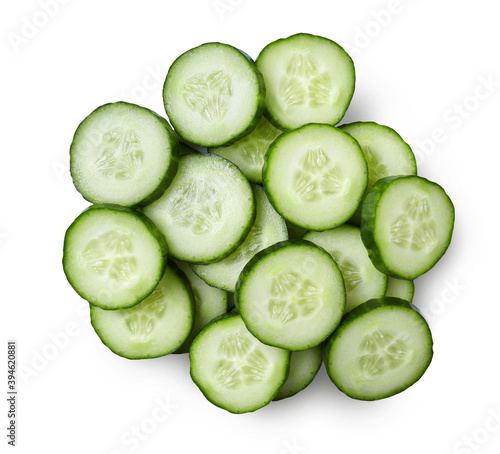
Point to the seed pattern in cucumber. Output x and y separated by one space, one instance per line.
241 363
303 83
253 147
317 176
197 204
141 319
111 253
415 229
209 94
376 170
382 353
352 275
119 154
292 296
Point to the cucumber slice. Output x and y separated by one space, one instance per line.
155 327
233 369
291 295
380 348
123 154
309 79
114 257
210 303
207 211
407 224
303 368
312 169
268 228
213 95
386 153
362 280
249 153
400 288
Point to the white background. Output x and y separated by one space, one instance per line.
430 69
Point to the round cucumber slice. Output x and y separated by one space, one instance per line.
268 228
309 79
315 176
213 95
362 280
113 256
155 327
291 295
233 369
380 348
406 225
207 211
123 154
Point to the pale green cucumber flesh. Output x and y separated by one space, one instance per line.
407 224
213 95
380 348
207 211
385 151
123 154
312 169
249 152
233 369
210 303
268 228
291 295
155 327
362 280
400 288
309 79
113 256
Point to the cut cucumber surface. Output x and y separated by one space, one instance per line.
114 257
309 79
406 225
207 211
400 288
380 348
213 95
233 369
386 153
268 228
249 153
123 154
291 295
303 368
155 327
362 280
210 302
315 176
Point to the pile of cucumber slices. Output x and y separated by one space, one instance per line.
252 232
